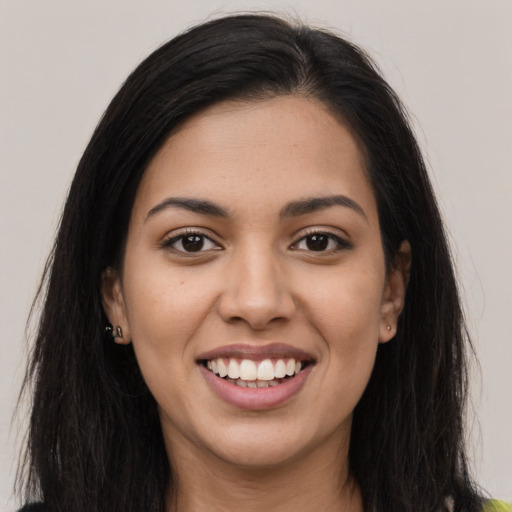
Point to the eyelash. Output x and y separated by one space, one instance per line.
189 233
341 244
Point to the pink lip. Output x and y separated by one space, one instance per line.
255 398
256 352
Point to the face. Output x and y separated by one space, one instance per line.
254 287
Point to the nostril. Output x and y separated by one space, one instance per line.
257 296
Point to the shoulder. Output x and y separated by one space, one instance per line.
496 506
32 507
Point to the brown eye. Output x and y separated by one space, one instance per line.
317 242
321 242
191 243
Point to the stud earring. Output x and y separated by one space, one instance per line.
389 327
118 333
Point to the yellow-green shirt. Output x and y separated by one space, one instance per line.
497 506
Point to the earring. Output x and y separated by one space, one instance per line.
389 327
118 333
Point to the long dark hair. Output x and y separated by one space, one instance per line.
95 441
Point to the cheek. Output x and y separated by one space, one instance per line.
346 314
164 305
345 305
345 311
164 310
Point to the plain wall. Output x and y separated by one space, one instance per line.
450 61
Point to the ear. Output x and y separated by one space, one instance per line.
393 298
113 304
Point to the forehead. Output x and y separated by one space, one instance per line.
265 151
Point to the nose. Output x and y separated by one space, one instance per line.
256 291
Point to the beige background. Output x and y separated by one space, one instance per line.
451 61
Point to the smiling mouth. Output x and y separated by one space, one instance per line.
248 373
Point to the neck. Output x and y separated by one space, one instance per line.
318 481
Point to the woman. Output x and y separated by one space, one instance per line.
251 303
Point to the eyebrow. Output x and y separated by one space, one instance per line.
310 205
293 209
194 205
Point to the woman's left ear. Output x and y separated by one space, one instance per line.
393 298
113 304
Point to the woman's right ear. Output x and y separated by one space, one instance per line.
113 304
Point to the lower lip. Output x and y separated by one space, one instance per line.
256 398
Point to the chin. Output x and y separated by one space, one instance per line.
259 455
253 445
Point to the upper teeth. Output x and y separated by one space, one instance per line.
246 369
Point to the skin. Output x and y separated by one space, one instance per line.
257 281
